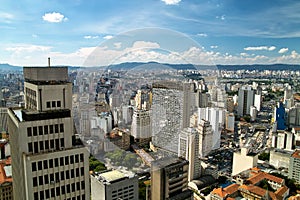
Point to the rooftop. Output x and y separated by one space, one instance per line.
33 115
296 154
48 75
5 171
111 176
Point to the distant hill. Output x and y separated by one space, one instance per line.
8 67
155 65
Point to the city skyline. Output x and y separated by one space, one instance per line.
231 32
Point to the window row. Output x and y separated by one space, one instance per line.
62 161
53 104
30 92
58 191
45 130
57 177
55 144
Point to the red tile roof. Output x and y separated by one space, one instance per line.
3 177
296 154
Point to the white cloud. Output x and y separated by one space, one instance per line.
54 17
222 17
213 46
6 17
259 48
117 45
244 54
202 34
171 2
108 37
91 37
283 50
144 44
28 48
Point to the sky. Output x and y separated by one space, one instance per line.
99 33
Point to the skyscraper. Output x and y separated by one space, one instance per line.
189 149
141 126
294 167
245 100
205 138
169 179
47 160
171 110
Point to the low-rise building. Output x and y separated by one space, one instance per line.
6 188
114 185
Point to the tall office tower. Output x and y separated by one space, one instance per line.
257 101
205 138
48 162
283 140
216 118
293 116
189 149
114 185
229 124
203 100
169 179
280 116
245 100
141 126
171 111
294 167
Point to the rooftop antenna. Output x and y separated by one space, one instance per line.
48 61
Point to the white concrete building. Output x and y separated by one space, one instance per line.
48 162
205 138
141 127
229 122
257 101
243 161
245 100
188 148
114 185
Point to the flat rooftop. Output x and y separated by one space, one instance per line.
32 115
111 176
45 74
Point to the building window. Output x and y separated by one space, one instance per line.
52 192
56 128
58 104
56 162
34 181
58 191
46 178
76 158
61 128
29 132
41 145
53 104
36 147
51 144
51 128
46 144
67 160
40 130
41 182
82 171
36 196
61 161
78 186
48 104
40 165
41 194
63 189
34 131
62 175
73 187
45 129
72 173
68 189
77 172
81 157
47 194
33 166
45 164
57 144
57 177
62 142
71 159
30 147
51 163
67 174
82 185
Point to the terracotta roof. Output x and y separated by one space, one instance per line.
231 188
281 191
297 128
220 192
296 154
3 176
262 175
254 189
297 197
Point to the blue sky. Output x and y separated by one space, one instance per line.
175 31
